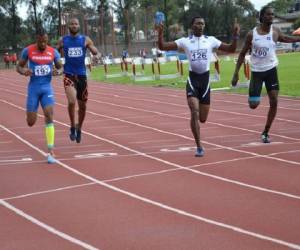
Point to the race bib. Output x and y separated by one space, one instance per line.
75 52
199 55
42 70
260 52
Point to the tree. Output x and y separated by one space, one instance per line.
124 10
34 16
281 6
219 15
297 24
13 21
103 8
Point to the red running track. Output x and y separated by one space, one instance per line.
133 182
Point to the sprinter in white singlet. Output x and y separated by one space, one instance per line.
261 41
199 49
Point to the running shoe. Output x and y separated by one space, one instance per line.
78 135
72 134
265 138
51 159
199 152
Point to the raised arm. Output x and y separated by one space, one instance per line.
235 36
161 44
287 39
241 58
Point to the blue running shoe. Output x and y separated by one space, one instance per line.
78 135
265 138
51 159
199 152
72 134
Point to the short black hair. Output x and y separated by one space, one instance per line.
40 31
263 11
194 18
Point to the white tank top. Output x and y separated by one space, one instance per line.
199 51
263 52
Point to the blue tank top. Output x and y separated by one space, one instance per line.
40 62
74 53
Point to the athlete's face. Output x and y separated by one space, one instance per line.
268 16
42 42
198 26
74 26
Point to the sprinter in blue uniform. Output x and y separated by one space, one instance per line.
74 48
40 58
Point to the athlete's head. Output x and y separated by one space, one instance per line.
41 39
74 26
197 25
266 15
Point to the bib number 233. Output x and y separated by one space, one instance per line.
75 52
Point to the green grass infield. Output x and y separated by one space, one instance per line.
288 73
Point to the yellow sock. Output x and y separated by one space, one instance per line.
49 130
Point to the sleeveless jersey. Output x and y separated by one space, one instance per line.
74 52
263 52
199 51
40 62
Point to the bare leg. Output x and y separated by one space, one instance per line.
31 118
81 113
204 110
273 100
71 96
193 103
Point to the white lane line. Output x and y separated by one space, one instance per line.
134 90
155 141
169 92
185 168
189 138
179 105
20 164
138 197
11 151
187 118
48 191
47 227
176 104
5 142
287 152
246 104
180 117
16 160
95 155
127 177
